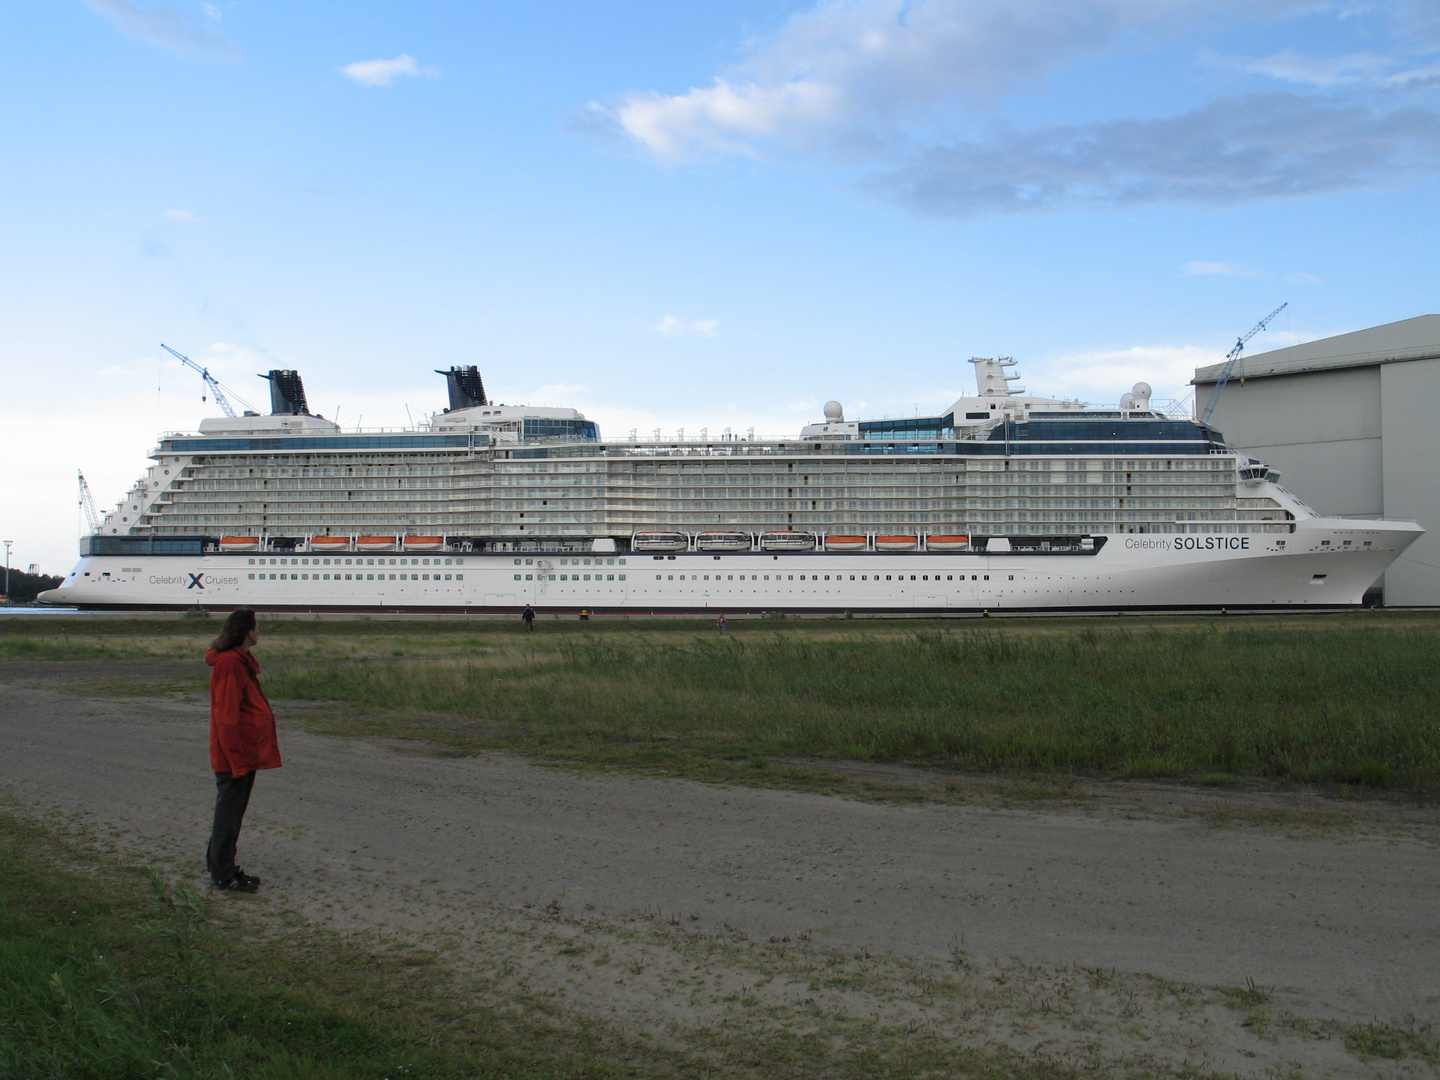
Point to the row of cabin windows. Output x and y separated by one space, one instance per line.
572 577
358 562
818 577
359 577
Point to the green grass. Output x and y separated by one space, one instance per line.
1350 699
102 976
1333 705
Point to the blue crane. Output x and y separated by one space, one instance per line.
1231 359
210 381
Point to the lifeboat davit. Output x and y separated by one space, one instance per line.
329 543
787 540
375 543
659 541
844 543
239 543
424 543
948 543
722 541
896 543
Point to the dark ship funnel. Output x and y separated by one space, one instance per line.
287 394
466 389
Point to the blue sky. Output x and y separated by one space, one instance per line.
681 215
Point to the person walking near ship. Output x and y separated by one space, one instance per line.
242 742
529 616
720 624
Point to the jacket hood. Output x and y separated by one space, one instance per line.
212 658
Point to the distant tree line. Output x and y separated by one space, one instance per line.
25 587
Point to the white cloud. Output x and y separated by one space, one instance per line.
1218 269
670 326
908 91
384 72
181 217
169 29
1104 375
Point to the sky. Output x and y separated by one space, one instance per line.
680 215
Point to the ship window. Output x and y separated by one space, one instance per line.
587 577
305 577
887 577
426 562
529 562
448 563
392 577
252 562
327 577
608 577
517 576
622 577
517 563
369 577
458 562
731 577
369 562
792 577
347 563
948 577
622 563
1012 577
564 577
459 577
671 577
252 576
974 577
827 577
657 577
987 577
347 577
707 577
529 577
587 562
447 577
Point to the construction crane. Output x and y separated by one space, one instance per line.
210 381
87 504
1231 359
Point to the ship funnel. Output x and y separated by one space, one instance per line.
466 389
287 394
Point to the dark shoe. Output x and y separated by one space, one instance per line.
241 875
239 884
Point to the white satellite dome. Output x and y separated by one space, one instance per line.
834 412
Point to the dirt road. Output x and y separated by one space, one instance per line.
1338 926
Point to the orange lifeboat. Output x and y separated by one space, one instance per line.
844 543
239 543
424 543
329 543
896 543
375 543
948 543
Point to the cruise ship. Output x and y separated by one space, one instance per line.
1003 502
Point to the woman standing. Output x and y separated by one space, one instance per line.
242 741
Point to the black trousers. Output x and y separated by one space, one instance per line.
232 796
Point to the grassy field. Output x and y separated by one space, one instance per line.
1345 699
105 975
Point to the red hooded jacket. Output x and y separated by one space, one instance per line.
242 726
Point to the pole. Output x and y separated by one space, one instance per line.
7 569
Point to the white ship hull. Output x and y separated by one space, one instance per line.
1324 562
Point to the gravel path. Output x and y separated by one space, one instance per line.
1338 924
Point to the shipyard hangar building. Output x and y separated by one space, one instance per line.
1353 424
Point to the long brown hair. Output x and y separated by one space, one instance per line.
237 627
